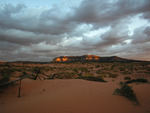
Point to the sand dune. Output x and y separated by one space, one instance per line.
71 96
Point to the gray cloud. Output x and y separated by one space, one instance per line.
141 35
43 33
106 13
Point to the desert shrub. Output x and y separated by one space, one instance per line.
46 68
89 74
112 75
5 74
140 72
91 67
72 74
19 70
84 69
126 91
75 70
92 78
131 69
139 80
99 71
50 78
59 76
4 79
127 78
142 80
97 66
23 74
104 75
126 72
80 74
112 67
121 68
106 69
6 71
148 68
64 75
31 77
147 72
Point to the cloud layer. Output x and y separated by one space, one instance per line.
97 27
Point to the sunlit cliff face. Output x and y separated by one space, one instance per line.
90 57
96 58
58 60
2 61
85 57
64 59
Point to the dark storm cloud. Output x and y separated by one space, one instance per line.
104 13
147 15
141 35
27 38
147 31
54 21
47 22
36 34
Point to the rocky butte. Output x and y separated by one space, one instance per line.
89 58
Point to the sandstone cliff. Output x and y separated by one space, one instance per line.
89 58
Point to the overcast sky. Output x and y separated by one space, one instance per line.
39 30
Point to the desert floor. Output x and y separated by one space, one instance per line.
66 94
72 96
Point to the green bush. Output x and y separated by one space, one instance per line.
126 91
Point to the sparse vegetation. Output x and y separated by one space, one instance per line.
147 72
89 74
113 75
126 72
126 91
138 80
75 70
71 70
92 78
99 71
127 78
4 79
97 66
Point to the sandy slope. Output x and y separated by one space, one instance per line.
72 96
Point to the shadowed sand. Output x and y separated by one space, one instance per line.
72 96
